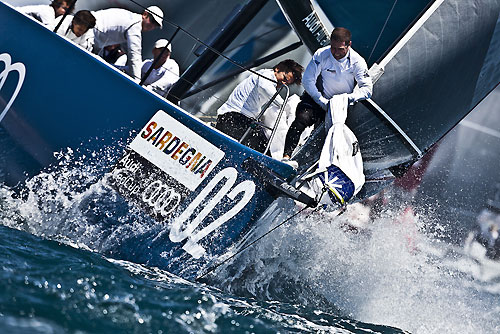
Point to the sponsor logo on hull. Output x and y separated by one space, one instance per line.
8 68
160 173
177 150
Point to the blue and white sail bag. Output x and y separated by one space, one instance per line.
339 175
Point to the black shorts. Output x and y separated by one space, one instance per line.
308 111
235 124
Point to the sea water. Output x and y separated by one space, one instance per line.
319 273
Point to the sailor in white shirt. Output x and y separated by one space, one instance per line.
340 69
78 28
120 26
46 14
244 104
164 73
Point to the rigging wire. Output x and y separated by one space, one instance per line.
203 43
382 30
257 38
211 269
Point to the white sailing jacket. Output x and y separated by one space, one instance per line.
42 13
160 80
119 26
86 41
251 94
338 76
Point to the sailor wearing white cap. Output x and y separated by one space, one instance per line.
156 14
120 26
165 71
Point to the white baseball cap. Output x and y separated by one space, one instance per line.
161 43
157 14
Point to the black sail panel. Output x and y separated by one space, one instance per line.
436 69
432 82
375 24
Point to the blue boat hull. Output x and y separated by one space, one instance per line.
69 99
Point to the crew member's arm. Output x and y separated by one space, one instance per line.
309 78
364 87
268 89
134 51
42 13
170 77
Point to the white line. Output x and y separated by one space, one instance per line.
396 126
480 128
411 32
322 17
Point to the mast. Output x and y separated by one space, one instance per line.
306 23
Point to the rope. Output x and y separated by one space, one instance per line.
256 38
383 28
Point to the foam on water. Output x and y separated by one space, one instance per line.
73 203
395 273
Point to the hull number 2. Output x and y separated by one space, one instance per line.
185 224
163 200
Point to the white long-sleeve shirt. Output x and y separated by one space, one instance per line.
42 13
119 26
338 77
86 41
251 94
160 80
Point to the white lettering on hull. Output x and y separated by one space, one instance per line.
9 67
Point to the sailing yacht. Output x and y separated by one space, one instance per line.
425 83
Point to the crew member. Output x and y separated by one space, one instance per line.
335 69
46 14
165 71
78 28
120 26
244 104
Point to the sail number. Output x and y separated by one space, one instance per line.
185 224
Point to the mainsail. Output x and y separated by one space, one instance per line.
439 59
